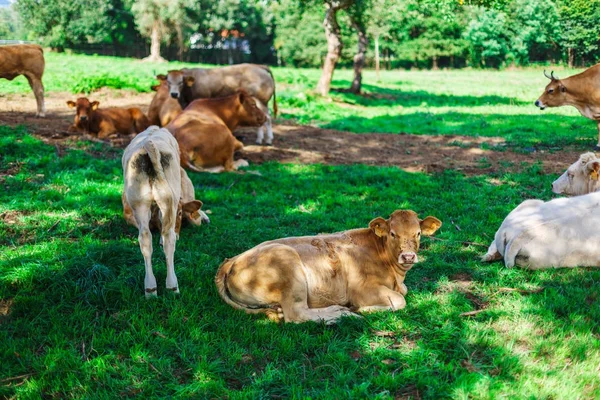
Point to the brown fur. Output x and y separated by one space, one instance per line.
27 60
323 277
204 130
581 91
163 108
106 122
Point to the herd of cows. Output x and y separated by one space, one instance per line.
321 278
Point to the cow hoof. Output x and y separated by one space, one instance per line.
259 142
151 293
269 144
175 290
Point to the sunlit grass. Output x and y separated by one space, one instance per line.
77 324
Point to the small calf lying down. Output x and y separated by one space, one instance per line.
163 108
152 177
204 131
580 178
106 122
325 277
558 233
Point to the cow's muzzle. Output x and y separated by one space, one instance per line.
174 95
539 104
83 117
408 258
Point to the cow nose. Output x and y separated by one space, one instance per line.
83 117
409 258
537 103
174 95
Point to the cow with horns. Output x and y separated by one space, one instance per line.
581 91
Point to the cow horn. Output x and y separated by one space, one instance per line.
552 75
548 76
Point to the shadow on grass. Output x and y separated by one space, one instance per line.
541 131
379 96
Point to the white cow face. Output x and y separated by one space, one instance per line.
580 178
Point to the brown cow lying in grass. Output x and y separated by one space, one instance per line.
89 119
324 277
163 108
204 131
27 60
152 178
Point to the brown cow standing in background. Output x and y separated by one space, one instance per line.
581 91
26 60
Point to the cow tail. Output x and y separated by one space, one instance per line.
221 282
162 192
510 253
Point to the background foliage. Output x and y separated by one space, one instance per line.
412 33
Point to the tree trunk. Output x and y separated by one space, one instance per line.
359 57
155 44
434 61
334 44
180 41
571 57
377 56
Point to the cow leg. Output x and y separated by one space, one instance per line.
597 147
260 134
384 299
142 216
106 129
38 90
269 127
168 238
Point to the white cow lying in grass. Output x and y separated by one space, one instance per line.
154 179
562 232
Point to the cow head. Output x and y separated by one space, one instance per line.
176 82
401 234
83 108
580 178
249 112
554 95
191 209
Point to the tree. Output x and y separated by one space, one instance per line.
11 26
150 18
334 42
357 15
380 16
488 38
581 31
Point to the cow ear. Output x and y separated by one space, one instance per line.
154 87
593 168
161 77
192 206
429 225
189 80
95 105
379 226
71 104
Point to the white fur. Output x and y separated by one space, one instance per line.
559 233
164 190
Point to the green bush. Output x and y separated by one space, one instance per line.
89 84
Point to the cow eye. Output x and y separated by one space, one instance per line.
550 90
393 234
418 234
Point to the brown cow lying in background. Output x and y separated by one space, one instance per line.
108 121
26 60
163 108
323 277
204 131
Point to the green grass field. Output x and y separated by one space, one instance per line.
74 322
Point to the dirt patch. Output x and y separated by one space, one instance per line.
306 144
